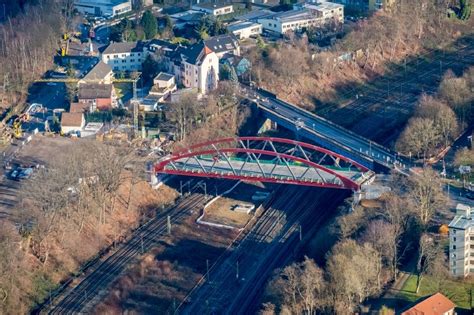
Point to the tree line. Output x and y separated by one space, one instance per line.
438 119
303 71
28 43
372 242
83 200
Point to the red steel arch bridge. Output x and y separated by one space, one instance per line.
266 159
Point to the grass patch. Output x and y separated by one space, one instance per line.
456 291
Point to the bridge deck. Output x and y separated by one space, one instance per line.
325 133
277 171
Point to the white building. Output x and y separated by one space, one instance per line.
245 29
461 242
103 7
163 85
303 16
213 8
201 68
327 11
125 56
72 123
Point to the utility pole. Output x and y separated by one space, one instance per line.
301 233
237 270
168 219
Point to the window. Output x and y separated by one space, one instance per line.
123 55
108 56
115 61
132 60
139 54
454 246
115 56
454 239
124 61
132 54
454 271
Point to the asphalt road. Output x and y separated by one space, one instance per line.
319 127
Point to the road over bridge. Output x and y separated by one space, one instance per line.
267 159
325 133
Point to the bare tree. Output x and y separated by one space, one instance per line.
464 156
184 113
300 287
427 252
426 195
384 238
397 212
444 119
419 137
354 272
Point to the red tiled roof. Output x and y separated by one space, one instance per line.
72 119
437 304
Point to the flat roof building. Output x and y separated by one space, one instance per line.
461 242
245 29
214 8
103 7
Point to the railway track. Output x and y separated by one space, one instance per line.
89 290
226 294
266 246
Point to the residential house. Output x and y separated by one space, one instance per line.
223 44
72 122
196 66
240 64
245 29
101 73
148 104
103 7
98 96
163 85
461 242
437 304
77 107
214 8
125 56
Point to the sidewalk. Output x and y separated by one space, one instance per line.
391 298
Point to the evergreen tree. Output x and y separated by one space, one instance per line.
233 75
465 12
149 24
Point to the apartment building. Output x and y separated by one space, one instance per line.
103 7
223 45
125 56
461 242
196 66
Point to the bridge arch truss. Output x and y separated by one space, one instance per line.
266 159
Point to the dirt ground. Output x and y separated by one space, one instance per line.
164 277
221 211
